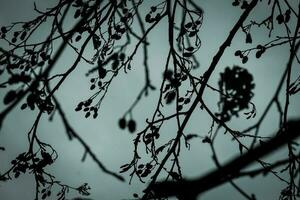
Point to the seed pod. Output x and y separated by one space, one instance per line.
122 123
131 126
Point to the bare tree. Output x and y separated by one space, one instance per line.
116 30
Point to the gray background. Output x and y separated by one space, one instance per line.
113 146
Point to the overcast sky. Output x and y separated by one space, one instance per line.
113 146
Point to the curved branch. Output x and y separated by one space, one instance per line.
230 170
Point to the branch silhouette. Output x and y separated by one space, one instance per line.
107 36
188 189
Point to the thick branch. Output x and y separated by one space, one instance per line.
230 170
207 75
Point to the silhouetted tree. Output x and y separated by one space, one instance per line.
117 30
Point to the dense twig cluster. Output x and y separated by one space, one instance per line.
107 27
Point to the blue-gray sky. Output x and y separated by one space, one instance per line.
113 146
